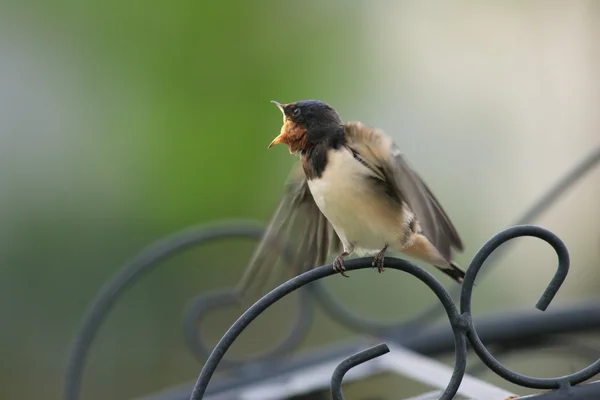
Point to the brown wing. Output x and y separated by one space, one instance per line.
378 150
298 225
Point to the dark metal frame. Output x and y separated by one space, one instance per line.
461 323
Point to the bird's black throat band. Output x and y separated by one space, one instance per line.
314 157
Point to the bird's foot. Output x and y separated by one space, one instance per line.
378 260
338 264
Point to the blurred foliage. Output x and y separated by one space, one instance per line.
169 123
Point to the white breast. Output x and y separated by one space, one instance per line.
359 214
340 179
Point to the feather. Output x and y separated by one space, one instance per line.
377 150
297 222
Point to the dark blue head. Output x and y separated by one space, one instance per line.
308 123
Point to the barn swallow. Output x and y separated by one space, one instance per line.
351 192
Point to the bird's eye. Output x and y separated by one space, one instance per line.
296 112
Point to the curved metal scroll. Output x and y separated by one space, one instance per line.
543 303
458 324
144 263
462 324
351 362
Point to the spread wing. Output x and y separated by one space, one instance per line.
298 234
381 154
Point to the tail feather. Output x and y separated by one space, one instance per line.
454 271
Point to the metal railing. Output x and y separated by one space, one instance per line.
461 322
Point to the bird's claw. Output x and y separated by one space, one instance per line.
378 262
338 266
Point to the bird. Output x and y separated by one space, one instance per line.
351 192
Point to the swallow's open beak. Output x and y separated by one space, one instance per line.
279 105
282 138
278 140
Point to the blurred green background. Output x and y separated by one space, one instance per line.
122 122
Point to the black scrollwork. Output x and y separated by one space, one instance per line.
351 362
462 324
130 274
456 320
466 321
544 301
